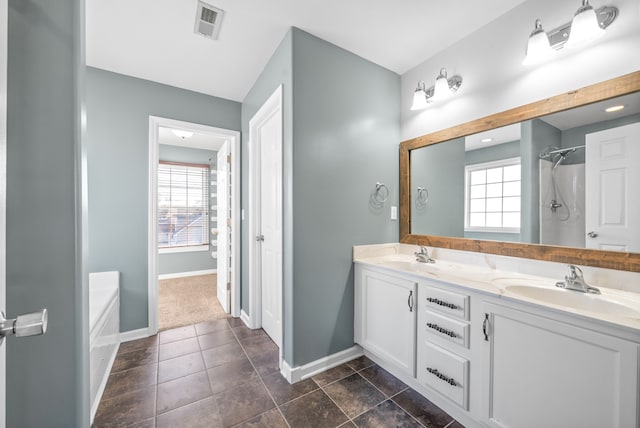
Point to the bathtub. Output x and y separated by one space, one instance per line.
104 331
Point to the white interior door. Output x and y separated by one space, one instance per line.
222 200
270 149
611 194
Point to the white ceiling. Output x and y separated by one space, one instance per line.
154 39
199 140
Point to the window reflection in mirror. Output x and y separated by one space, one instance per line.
533 182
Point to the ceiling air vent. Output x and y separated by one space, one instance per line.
208 21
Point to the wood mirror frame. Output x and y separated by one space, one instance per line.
597 258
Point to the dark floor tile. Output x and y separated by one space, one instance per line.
133 345
267 362
243 403
201 414
229 375
331 375
269 419
383 380
282 391
243 332
126 409
216 338
347 424
177 334
179 392
314 410
178 348
360 363
387 414
131 380
455 424
258 345
422 409
235 322
354 395
223 354
210 326
136 358
180 366
149 423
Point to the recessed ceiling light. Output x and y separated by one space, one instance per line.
486 140
614 108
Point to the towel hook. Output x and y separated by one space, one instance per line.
422 196
381 193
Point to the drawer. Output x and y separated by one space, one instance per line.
444 327
448 302
445 372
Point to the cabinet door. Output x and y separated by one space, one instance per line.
386 317
544 373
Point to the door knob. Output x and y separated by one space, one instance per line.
592 234
32 324
260 238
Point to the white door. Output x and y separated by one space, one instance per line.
222 200
270 151
612 200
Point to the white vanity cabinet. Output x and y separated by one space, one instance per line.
385 316
541 372
443 356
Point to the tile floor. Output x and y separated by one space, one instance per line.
222 374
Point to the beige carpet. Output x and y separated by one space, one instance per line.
189 300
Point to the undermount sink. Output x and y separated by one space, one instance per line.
412 266
574 299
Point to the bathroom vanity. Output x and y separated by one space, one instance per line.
495 347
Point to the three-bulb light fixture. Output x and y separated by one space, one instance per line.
441 90
587 25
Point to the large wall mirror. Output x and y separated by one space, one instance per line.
555 180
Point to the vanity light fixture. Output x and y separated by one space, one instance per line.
182 134
443 88
587 25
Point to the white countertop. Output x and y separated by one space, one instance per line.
613 306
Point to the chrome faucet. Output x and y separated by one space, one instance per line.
423 256
576 282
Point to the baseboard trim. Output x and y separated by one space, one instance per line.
127 336
186 274
296 374
245 318
103 384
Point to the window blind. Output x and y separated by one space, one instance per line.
183 204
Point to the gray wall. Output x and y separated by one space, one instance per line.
191 260
440 169
278 71
536 135
118 110
344 140
47 376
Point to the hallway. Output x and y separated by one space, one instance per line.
222 374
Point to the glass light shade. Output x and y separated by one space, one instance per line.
441 89
538 47
419 98
584 27
182 134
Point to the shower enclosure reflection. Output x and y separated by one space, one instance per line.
527 182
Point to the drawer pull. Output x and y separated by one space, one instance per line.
439 329
440 376
442 303
484 327
410 301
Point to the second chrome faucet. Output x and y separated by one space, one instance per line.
575 281
423 256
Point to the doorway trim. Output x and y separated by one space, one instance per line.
155 122
272 106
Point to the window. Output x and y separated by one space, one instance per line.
183 205
492 196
